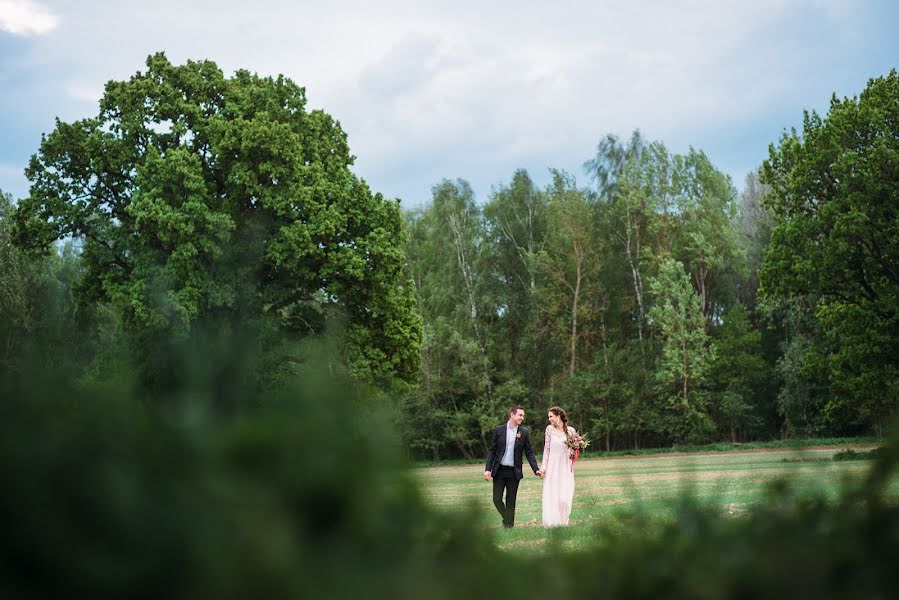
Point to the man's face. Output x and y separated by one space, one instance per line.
517 417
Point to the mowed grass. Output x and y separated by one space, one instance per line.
609 491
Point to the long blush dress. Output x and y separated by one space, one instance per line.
558 478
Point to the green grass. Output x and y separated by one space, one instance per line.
613 492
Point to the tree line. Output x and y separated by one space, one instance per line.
658 305
196 236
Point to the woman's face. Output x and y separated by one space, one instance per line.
554 419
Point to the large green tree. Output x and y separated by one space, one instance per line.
737 372
686 354
707 242
516 221
570 260
448 260
627 178
206 201
835 195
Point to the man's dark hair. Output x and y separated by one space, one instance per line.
515 409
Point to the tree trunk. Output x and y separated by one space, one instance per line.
686 370
464 450
701 277
605 358
634 261
574 305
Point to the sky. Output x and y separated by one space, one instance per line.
468 89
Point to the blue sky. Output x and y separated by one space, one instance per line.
447 89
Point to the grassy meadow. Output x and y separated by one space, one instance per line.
611 491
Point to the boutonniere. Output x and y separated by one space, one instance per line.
518 436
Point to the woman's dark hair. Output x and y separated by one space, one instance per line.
561 414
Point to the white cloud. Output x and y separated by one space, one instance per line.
475 89
25 17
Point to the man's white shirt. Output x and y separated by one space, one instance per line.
508 459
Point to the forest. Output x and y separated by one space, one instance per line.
203 233
658 305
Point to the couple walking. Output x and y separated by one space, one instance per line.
504 465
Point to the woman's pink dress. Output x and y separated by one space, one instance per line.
558 478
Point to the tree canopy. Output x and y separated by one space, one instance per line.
835 193
201 199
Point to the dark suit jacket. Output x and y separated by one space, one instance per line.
498 447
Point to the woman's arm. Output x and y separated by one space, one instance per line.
545 447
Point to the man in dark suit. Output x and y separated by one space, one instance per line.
508 442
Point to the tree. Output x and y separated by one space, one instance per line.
20 279
686 354
607 167
206 202
754 224
570 259
625 188
737 371
37 315
835 196
803 389
446 261
515 220
707 241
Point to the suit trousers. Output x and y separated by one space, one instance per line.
504 480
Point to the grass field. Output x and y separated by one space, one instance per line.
609 489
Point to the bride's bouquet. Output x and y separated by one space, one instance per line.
576 442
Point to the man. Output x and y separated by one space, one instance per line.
509 440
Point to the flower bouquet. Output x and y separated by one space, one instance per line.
576 442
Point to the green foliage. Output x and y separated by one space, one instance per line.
552 286
38 316
304 495
570 262
803 390
516 223
834 194
738 371
446 260
686 353
107 496
212 204
754 224
850 454
707 240
19 280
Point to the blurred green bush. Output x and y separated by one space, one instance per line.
301 493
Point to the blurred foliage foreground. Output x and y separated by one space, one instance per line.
303 494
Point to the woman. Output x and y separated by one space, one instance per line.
557 470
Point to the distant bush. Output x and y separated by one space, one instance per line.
850 454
